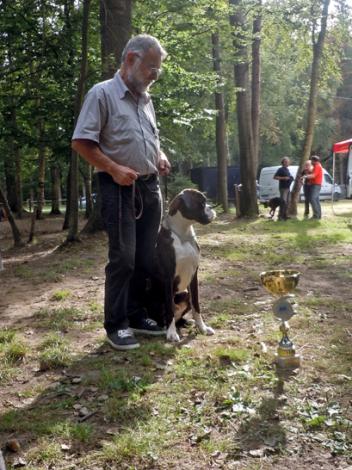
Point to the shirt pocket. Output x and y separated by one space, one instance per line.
124 129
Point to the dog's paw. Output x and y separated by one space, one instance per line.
171 334
173 337
205 330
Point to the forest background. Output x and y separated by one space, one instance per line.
52 52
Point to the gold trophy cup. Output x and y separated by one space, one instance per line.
281 283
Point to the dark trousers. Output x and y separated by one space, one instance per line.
131 245
284 195
315 200
306 192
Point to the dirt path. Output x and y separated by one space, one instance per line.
44 278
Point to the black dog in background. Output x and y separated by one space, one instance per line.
273 203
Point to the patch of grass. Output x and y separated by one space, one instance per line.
55 352
59 319
6 336
45 452
80 432
60 295
228 355
220 320
120 381
95 307
13 350
23 272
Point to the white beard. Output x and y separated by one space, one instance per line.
135 78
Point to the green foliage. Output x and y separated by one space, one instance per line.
177 183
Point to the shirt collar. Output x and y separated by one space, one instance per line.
122 89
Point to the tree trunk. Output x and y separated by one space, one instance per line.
318 47
55 189
73 181
86 172
222 149
41 172
256 74
248 199
95 221
15 232
116 29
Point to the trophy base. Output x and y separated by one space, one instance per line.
289 362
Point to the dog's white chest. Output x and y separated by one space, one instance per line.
187 261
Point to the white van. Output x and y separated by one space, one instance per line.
268 187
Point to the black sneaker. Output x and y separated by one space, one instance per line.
122 340
147 326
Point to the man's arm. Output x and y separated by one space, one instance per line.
313 174
91 152
279 177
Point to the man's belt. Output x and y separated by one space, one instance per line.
150 177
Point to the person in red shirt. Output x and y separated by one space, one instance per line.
315 180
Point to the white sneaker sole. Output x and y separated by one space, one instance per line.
149 332
122 347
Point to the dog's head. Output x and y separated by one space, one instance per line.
192 205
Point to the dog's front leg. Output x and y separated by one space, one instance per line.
193 291
171 333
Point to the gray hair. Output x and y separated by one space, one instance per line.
142 43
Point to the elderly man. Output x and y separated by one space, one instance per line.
117 133
285 179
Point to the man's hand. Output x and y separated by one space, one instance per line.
123 175
164 165
91 152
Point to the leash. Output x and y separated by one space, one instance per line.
137 199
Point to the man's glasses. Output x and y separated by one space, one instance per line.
153 70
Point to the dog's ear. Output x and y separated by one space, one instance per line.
185 199
175 204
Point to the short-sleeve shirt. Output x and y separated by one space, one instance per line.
284 171
317 174
125 129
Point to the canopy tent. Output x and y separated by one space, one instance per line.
344 147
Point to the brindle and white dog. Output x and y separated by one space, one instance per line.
178 260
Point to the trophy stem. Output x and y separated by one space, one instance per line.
286 357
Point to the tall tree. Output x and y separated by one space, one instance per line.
318 7
256 78
248 199
15 231
72 234
116 29
222 149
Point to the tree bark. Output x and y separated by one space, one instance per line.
41 172
55 189
86 172
318 47
15 232
256 76
116 29
222 149
248 199
73 180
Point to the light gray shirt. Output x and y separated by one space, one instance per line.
124 128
